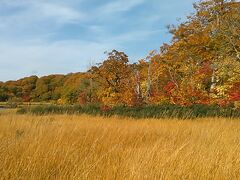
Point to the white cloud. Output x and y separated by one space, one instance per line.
30 33
120 6
22 59
26 13
61 14
134 36
19 59
96 29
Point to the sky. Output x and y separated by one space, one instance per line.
41 37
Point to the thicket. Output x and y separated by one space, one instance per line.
201 65
160 111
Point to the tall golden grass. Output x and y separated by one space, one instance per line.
84 147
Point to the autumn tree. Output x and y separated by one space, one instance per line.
114 77
3 93
201 65
48 88
202 61
27 84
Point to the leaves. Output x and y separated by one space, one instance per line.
200 66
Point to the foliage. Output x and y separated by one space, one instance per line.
93 109
114 79
160 111
200 66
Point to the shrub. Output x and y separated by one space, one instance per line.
160 111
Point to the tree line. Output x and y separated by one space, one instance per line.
201 65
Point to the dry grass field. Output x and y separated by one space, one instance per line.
84 147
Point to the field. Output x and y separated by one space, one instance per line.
85 147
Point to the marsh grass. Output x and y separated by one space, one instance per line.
154 111
85 147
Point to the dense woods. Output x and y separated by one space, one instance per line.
200 66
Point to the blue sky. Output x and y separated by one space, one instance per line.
40 37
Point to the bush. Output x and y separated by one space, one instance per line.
61 109
160 111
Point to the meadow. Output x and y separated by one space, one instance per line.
87 147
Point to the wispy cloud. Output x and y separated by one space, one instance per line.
135 36
46 58
62 36
25 13
120 5
60 13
